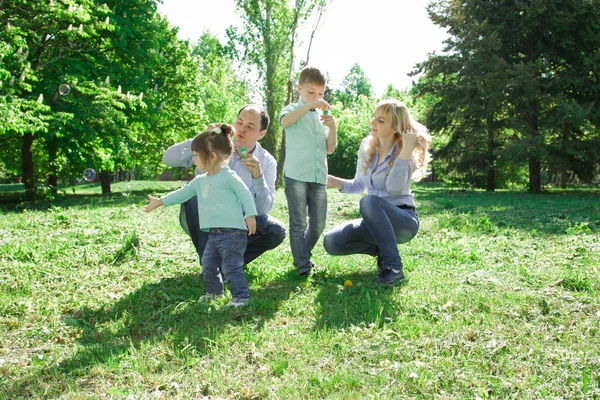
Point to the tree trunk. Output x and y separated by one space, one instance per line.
535 174
564 177
105 181
27 164
491 173
53 174
279 180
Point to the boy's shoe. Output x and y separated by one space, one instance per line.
209 297
238 303
388 276
305 271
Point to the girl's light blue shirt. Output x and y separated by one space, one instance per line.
220 199
378 179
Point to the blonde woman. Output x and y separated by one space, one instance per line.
394 154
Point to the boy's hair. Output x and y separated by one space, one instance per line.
264 116
312 75
216 140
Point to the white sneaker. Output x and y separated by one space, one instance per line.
209 297
238 303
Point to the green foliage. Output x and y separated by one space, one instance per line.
354 85
352 127
134 88
504 83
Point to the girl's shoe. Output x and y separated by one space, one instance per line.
209 297
238 303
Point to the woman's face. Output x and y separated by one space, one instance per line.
381 125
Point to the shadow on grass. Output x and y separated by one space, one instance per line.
364 302
167 311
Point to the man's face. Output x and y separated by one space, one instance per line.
247 127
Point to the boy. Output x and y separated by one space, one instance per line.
310 136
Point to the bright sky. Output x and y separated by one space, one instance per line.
385 37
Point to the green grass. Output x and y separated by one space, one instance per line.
98 299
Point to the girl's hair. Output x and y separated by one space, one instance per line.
217 140
401 119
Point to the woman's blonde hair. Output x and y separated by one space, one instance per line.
401 119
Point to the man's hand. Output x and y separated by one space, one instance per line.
253 165
213 126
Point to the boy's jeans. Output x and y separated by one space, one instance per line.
270 232
303 236
379 232
224 253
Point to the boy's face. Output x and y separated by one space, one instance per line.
311 91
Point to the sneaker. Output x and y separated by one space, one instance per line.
209 297
238 303
388 276
306 271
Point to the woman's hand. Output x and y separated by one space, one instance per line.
333 181
409 142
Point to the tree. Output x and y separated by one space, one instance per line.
123 65
507 65
267 43
354 85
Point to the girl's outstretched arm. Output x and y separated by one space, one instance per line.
155 202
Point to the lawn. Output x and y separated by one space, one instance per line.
501 300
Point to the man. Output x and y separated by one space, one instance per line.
258 170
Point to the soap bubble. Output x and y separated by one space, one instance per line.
64 89
89 174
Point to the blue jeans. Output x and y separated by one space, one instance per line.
270 232
303 196
382 227
224 253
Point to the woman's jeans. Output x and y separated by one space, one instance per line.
223 258
303 196
382 227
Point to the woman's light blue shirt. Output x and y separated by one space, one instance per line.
378 179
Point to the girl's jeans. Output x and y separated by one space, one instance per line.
224 258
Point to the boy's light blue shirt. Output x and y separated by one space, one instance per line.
220 199
306 146
390 184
